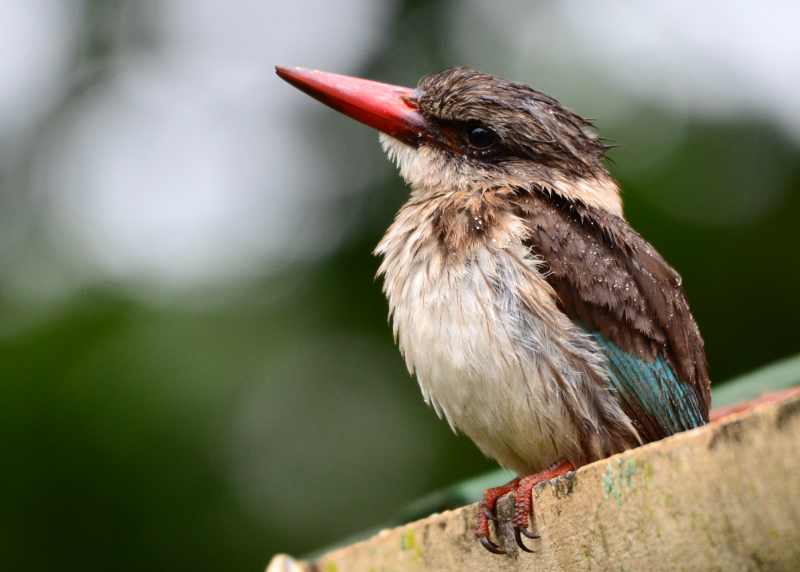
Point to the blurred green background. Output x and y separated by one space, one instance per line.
196 366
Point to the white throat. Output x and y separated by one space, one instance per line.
427 169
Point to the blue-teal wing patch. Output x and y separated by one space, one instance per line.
650 391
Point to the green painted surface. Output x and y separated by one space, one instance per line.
779 375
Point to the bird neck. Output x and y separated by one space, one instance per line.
599 191
432 173
439 230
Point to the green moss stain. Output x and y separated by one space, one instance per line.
647 472
628 471
586 550
408 541
609 484
620 477
564 486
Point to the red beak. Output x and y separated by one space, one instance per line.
388 108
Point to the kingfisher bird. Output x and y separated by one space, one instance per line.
536 320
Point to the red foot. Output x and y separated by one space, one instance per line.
486 511
774 397
523 505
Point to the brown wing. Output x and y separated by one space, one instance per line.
612 281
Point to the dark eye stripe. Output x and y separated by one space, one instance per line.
469 138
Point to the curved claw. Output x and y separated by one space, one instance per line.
518 532
491 546
529 534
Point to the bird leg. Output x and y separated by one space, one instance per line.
522 489
523 499
486 512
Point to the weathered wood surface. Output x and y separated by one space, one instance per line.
723 497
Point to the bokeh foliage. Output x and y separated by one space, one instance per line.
208 430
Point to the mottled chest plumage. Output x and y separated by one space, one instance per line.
479 327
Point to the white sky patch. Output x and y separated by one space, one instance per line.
717 57
36 42
188 162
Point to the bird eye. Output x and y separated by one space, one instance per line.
480 137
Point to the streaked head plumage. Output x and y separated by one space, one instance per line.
487 132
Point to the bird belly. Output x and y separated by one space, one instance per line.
489 365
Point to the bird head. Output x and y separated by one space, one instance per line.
463 130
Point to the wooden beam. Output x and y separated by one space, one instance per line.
722 497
